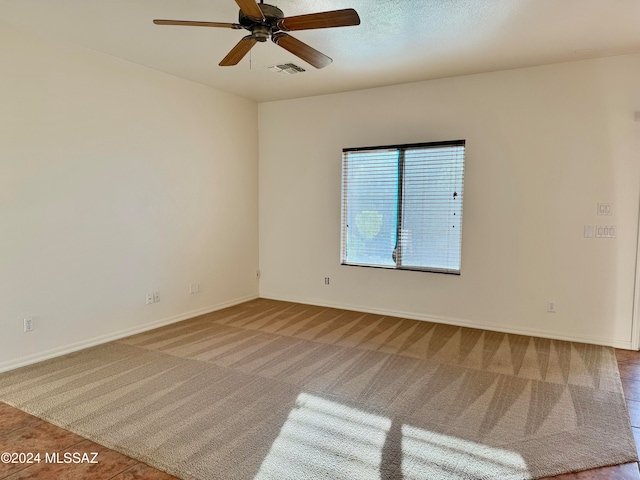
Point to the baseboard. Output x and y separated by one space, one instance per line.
56 352
457 322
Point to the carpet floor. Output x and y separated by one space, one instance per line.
277 390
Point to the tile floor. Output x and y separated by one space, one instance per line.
21 432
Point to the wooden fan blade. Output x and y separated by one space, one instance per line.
251 9
302 50
238 52
335 18
188 23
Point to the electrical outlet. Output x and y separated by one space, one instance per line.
605 209
194 288
149 298
551 306
28 324
326 280
156 297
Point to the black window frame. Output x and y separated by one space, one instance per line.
397 253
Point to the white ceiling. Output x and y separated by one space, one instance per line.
398 41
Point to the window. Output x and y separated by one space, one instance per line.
402 206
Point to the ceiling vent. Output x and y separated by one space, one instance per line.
286 69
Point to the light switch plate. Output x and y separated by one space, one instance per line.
605 231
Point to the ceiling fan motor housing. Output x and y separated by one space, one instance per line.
262 29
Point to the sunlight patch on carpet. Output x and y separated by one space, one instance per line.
322 436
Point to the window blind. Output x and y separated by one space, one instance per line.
402 206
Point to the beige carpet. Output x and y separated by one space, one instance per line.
276 390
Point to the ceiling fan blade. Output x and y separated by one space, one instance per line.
336 18
251 9
302 50
188 23
238 52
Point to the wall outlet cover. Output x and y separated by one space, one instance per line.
28 324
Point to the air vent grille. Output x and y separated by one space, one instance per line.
286 69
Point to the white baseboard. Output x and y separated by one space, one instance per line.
607 342
56 352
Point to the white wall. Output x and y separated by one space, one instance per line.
116 180
544 146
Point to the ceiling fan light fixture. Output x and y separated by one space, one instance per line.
261 33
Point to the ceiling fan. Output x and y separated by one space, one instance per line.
266 21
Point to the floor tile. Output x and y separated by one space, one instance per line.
627 355
628 471
631 388
21 432
109 463
633 406
11 418
629 369
636 436
41 437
